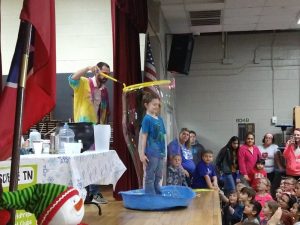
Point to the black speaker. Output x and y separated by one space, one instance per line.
181 53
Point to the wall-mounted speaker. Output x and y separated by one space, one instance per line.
181 53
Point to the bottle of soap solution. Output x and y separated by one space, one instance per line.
66 135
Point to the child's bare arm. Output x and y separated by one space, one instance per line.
143 157
223 197
215 182
208 182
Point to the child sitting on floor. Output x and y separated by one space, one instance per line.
262 194
205 173
247 194
252 210
175 174
289 185
233 210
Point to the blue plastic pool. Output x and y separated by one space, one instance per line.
172 196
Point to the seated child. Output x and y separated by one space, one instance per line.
247 194
205 173
257 173
286 201
175 174
252 210
289 185
233 211
263 195
268 210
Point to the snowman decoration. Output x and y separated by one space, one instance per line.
52 204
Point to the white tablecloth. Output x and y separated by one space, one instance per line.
79 170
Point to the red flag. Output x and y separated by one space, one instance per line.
40 91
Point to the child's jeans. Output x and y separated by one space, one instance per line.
153 175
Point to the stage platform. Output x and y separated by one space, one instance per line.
204 209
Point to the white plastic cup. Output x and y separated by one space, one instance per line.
37 147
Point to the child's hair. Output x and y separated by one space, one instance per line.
193 132
175 155
148 97
249 191
231 192
256 207
206 151
273 206
268 183
239 184
292 179
260 161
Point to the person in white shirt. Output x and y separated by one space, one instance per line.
268 151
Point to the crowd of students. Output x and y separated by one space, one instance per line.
242 176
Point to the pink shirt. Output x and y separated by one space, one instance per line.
292 161
262 200
247 159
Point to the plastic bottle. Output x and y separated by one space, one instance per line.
66 135
34 135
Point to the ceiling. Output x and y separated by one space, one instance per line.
230 15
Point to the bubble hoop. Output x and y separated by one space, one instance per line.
146 84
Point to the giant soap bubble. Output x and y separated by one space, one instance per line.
134 111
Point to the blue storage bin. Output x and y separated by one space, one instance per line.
172 196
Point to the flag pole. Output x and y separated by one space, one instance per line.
15 162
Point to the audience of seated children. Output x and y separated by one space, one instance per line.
262 194
175 174
257 173
251 211
205 173
268 210
233 210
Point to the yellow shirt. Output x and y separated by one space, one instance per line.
83 106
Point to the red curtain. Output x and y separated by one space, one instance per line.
129 18
0 55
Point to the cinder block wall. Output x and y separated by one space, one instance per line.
214 95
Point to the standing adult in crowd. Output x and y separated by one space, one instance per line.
248 155
292 155
268 151
227 163
181 146
196 147
91 104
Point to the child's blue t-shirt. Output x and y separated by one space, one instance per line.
202 169
156 136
